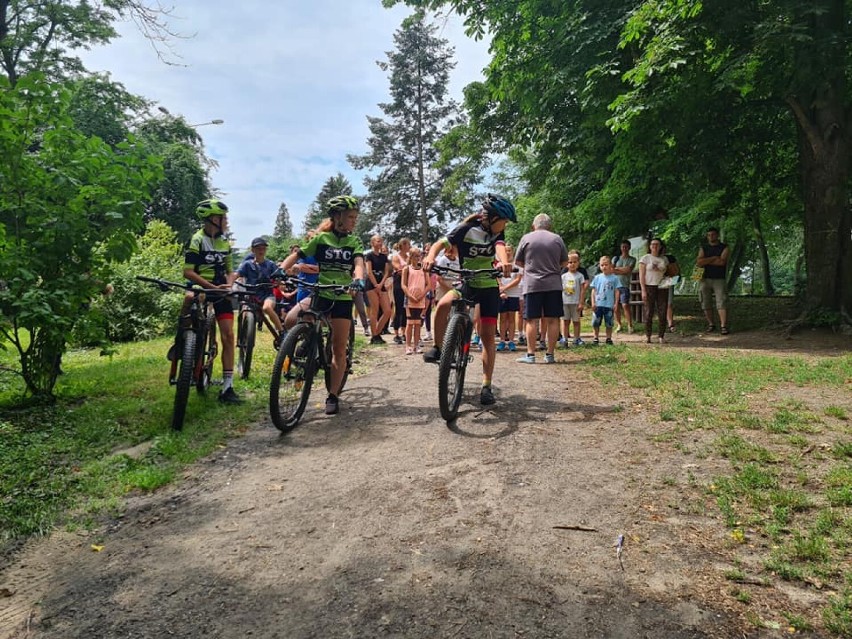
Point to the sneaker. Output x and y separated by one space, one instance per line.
526 359
409 350
672 328
377 339
428 337
618 328
549 358
332 406
542 346
596 341
710 328
486 396
433 355
662 339
367 332
522 341
608 341
512 347
563 342
475 340
630 330
579 342
501 346
398 340
229 397
418 350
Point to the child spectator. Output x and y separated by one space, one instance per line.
573 293
603 287
416 283
510 304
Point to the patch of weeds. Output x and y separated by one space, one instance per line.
734 574
790 500
668 415
786 420
797 622
148 477
784 569
798 441
837 412
839 482
741 595
842 450
753 477
837 616
661 438
810 548
748 421
738 449
668 480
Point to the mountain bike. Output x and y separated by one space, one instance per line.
196 345
306 350
455 351
250 320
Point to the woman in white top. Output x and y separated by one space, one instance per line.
652 269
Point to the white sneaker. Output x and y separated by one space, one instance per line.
428 337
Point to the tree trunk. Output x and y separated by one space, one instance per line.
736 260
824 164
768 289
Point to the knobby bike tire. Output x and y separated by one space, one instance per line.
247 336
350 349
292 377
453 365
207 355
184 379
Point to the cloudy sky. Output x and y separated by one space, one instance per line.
293 81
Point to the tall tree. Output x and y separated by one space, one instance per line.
408 188
69 205
333 186
626 109
42 36
283 225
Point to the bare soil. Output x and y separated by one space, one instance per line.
382 522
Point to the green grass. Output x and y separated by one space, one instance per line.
62 463
790 478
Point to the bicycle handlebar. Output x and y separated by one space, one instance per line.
315 286
165 285
467 273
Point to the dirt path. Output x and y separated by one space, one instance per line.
382 522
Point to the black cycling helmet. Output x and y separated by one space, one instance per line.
499 207
340 204
207 208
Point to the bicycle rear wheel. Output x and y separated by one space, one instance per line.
184 379
246 334
207 350
453 365
292 377
350 349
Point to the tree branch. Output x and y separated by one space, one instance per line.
817 146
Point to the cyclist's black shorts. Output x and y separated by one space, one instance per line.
488 300
340 309
224 308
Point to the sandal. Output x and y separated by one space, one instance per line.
710 328
724 330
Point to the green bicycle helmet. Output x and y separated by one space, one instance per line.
499 207
341 203
206 208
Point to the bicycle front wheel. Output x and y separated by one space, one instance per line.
350 348
246 334
207 349
453 365
292 377
184 379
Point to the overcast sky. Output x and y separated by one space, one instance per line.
293 81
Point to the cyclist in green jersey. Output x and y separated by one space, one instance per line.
479 240
340 258
208 264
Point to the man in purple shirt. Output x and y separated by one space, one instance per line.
542 255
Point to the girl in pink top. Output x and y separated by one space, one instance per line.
416 283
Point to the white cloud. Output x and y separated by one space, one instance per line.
293 81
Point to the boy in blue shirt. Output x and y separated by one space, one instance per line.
604 285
